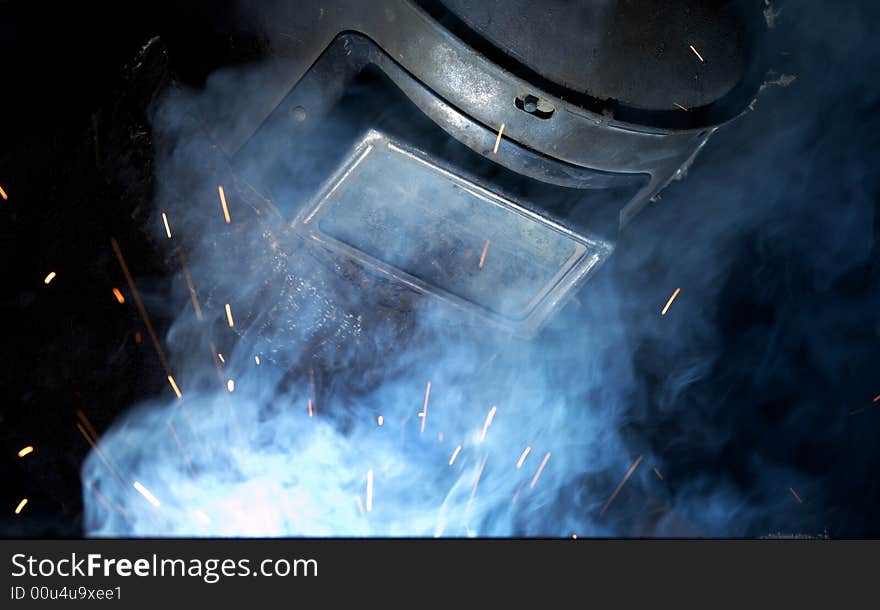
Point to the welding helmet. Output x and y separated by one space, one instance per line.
484 152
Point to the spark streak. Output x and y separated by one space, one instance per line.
189 284
454 455
167 226
424 413
229 316
697 53
49 277
498 140
25 451
118 295
147 494
483 255
257 360
477 478
380 420
143 311
540 470
669 302
21 506
877 398
488 423
174 386
522 458
796 496
677 105
223 203
621 484
369 490
657 472
3 194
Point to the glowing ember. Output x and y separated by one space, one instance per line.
118 296
540 470
657 472
380 420
621 484
3 194
25 451
697 53
229 316
522 458
137 338
454 455
230 385
49 277
669 302
369 490
483 255
147 494
174 386
424 413
681 107
488 423
167 226
223 203
498 140
796 496
877 398
21 506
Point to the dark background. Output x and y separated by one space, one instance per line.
772 359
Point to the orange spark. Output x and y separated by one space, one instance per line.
229 316
522 458
877 398
143 311
3 194
118 296
621 484
93 445
223 203
488 422
313 403
25 451
369 490
796 496
88 424
669 302
424 413
540 470
483 255
697 53
167 226
174 386
21 506
682 107
49 277
137 338
454 455
657 472
498 140
311 410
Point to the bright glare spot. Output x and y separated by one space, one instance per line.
230 385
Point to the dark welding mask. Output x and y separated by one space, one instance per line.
487 152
